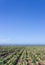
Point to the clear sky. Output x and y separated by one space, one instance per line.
22 21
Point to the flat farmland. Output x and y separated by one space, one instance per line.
22 55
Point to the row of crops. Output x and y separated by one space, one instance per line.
28 55
35 55
10 55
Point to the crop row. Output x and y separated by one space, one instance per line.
12 58
23 56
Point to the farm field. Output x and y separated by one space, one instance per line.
22 55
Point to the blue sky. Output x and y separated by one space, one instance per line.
22 21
